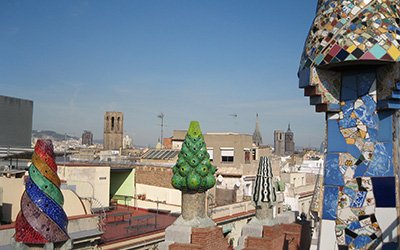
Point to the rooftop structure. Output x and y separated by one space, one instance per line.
16 122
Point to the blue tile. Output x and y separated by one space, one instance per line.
333 176
361 241
373 133
348 240
330 203
334 106
348 122
376 119
304 78
349 80
385 126
335 140
354 151
359 199
350 192
369 103
365 116
394 104
360 170
347 109
384 189
348 94
382 164
354 225
389 246
364 82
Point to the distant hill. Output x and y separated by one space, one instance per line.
47 134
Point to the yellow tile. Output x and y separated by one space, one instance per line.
394 52
350 141
351 48
353 115
382 30
363 133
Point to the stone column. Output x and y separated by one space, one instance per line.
193 205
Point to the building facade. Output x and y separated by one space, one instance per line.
87 138
279 142
113 130
289 142
16 122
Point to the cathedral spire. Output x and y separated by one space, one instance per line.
257 138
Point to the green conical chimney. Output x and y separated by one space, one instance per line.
193 172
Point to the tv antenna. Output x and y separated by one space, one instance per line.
234 115
161 116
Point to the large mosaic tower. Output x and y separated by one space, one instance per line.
42 219
350 70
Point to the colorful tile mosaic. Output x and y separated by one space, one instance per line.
360 97
42 218
352 30
359 172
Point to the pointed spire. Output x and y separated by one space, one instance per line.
288 129
257 138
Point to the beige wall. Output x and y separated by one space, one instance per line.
239 142
89 181
13 189
167 195
73 205
296 179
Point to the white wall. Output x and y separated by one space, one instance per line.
88 181
168 195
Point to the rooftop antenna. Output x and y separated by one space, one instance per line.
161 116
234 115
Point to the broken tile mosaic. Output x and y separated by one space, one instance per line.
352 30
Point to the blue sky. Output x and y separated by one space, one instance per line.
191 60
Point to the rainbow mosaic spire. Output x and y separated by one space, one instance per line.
42 218
193 172
350 70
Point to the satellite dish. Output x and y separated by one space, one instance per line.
237 184
220 178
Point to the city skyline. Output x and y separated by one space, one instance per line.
191 60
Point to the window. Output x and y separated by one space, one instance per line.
210 151
227 155
246 155
254 154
